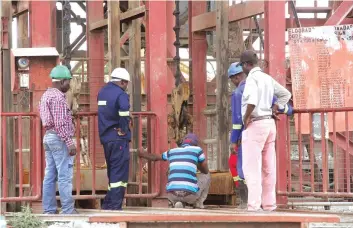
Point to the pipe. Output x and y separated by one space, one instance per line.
320 203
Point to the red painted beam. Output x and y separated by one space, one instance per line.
198 52
340 13
95 68
42 23
213 217
156 78
275 27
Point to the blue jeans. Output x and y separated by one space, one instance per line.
59 167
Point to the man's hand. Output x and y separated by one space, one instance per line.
234 148
131 123
72 150
246 123
275 112
119 131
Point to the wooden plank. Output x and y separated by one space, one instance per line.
114 34
132 14
236 13
99 24
222 54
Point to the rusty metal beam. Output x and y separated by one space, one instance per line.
198 52
340 14
305 22
313 9
222 54
133 14
274 54
101 24
114 34
236 13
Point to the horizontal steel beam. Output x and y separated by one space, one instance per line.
133 14
313 9
236 13
98 25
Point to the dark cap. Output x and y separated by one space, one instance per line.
191 139
249 56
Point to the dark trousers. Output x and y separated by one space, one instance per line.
117 157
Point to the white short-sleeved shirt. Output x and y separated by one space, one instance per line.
259 91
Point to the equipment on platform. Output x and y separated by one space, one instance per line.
179 120
32 65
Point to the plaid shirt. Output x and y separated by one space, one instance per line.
56 115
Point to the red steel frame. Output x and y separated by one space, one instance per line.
275 27
36 145
323 191
156 58
156 72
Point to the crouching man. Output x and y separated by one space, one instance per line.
184 161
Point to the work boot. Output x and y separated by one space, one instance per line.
243 193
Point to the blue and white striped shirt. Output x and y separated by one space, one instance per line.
182 168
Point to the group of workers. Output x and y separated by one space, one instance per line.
256 102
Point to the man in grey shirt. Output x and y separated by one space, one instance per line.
258 138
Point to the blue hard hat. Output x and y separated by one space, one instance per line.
234 69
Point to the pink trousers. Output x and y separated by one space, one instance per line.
259 164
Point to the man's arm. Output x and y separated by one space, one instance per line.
288 109
250 96
153 157
123 105
202 163
62 121
282 94
237 122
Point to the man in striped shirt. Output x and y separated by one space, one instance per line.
58 144
183 185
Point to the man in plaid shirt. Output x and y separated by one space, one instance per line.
58 144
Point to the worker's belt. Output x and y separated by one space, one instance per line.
180 193
261 118
50 132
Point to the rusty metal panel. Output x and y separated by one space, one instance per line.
321 60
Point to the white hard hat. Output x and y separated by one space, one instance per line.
120 74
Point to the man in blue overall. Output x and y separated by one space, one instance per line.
237 76
114 132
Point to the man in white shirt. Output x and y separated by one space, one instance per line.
259 136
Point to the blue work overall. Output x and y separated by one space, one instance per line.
114 117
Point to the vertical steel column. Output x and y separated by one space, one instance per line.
42 34
42 23
275 27
156 73
198 82
95 64
171 50
222 103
